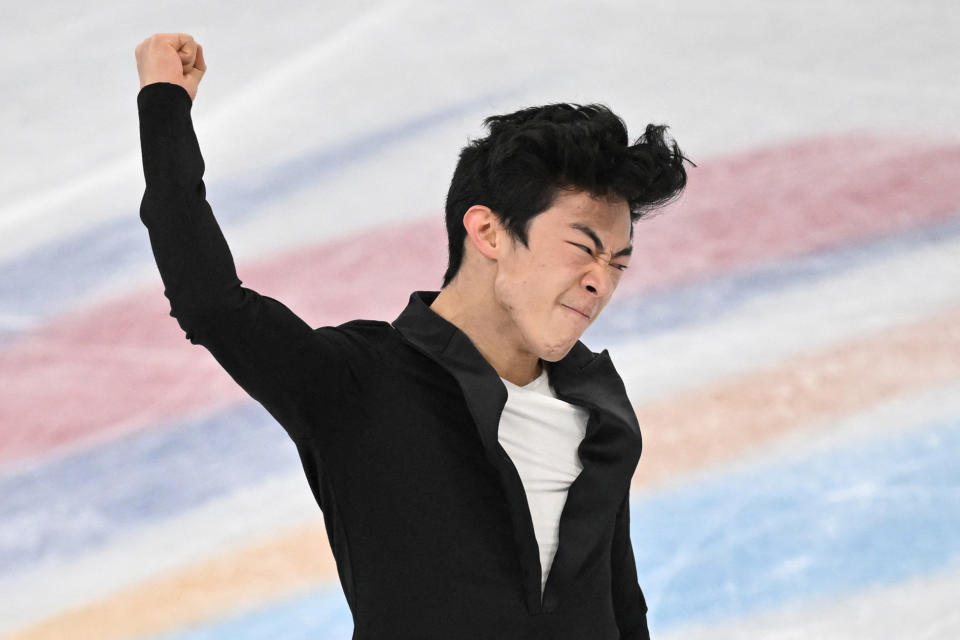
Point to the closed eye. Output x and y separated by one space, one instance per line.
620 267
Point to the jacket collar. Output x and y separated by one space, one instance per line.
582 377
442 341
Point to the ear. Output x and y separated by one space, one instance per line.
483 230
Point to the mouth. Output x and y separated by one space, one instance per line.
579 313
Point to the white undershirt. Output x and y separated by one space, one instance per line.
541 435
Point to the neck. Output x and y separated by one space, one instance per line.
490 330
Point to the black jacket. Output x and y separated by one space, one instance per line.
396 426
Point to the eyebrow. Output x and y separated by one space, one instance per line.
579 226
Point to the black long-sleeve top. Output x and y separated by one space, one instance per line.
396 427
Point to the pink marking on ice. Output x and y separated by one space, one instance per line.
788 200
121 366
116 367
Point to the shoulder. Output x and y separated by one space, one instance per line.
372 337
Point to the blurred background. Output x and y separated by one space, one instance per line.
789 331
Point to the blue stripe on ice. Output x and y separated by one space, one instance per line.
626 318
869 513
92 498
57 275
872 513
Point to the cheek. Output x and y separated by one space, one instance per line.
521 283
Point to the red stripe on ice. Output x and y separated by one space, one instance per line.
117 367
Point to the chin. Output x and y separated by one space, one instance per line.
556 352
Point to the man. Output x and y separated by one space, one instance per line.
473 458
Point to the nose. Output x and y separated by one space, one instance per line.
599 279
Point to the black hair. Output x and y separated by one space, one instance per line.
518 169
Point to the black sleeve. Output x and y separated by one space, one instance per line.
274 355
630 607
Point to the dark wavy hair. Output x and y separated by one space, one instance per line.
530 155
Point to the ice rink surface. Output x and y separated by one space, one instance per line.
789 331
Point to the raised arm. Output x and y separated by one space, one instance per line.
193 257
295 372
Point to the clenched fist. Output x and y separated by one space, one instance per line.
171 57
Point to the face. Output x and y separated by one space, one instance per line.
556 287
